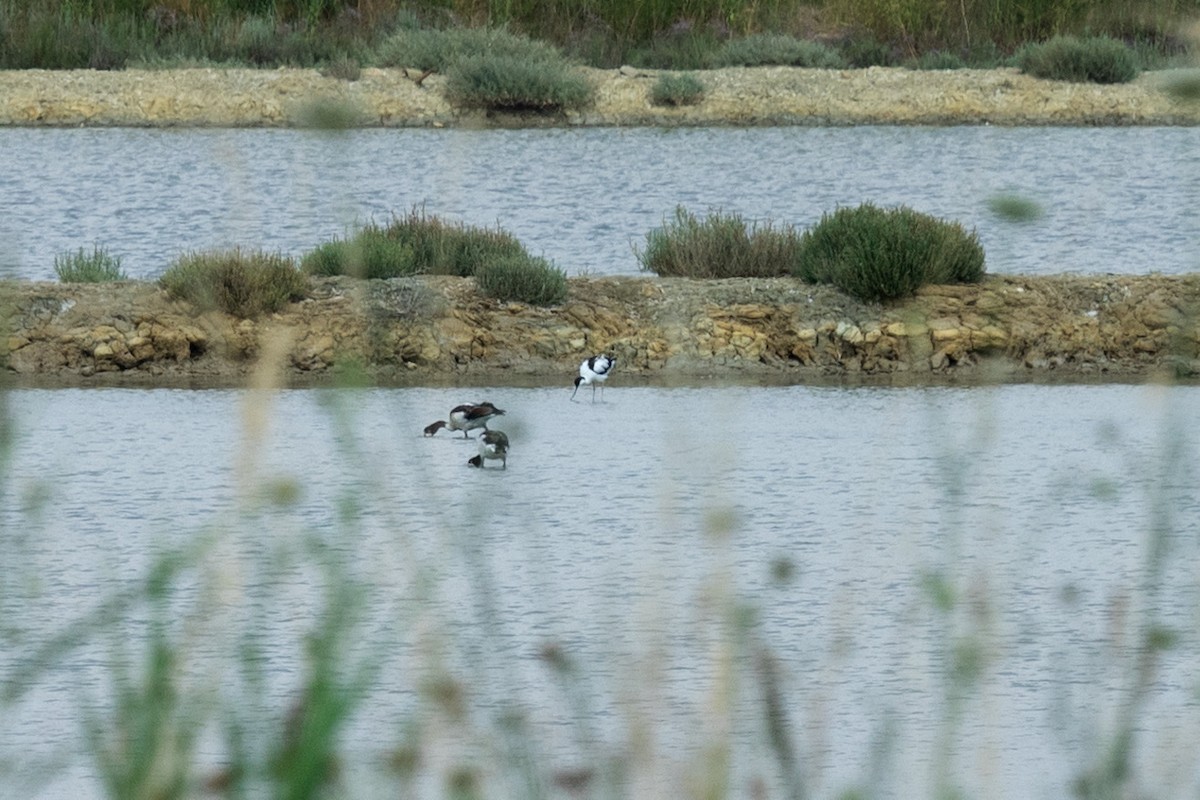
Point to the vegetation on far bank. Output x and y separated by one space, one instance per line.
869 253
343 35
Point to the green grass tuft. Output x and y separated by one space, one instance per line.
94 267
879 254
719 246
1096 59
416 243
242 284
677 90
527 279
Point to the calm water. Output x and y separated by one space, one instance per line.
1034 502
1116 200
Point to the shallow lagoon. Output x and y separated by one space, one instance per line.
620 532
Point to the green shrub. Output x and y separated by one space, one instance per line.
677 90
507 83
879 254
415 243
243 284
776 49
1097 59
369 253
443 248
94 267
720 246
528 279
438 50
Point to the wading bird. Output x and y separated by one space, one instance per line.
492 445
466 418
595 371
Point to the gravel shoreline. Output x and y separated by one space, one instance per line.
212 97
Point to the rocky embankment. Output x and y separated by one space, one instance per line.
432 329
741 96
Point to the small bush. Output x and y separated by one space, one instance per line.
443 248
720 246
879 254
1096 59
242 284
412 244
507 83
527 279
770 49
677 90
369 253
94 267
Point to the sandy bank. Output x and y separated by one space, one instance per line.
742 96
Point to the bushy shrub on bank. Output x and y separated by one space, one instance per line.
416 243
528 279
719 246
878 254
81 266
1096 59
244 284
510 83
422 244
683 89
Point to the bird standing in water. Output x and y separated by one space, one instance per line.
466 418
594 371
493 445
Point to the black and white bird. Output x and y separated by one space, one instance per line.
466 418
493 445
594 371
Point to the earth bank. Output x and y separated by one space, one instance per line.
737 96
433 329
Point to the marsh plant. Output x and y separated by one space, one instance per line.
527 279
98 266
245 284
683 89
878 254
720 245
507 83
1094 59
415 243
